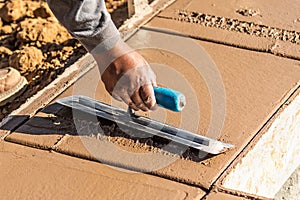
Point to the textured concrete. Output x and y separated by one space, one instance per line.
249 79
291 188
256 25
277 13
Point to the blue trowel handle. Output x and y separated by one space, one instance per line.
169 99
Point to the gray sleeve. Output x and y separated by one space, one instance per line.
88 21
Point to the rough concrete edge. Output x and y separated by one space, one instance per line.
57 86
236 194
288 97
30 143
249 44
286 50
223 37
233 194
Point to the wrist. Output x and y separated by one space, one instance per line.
106 58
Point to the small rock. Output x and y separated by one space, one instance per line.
247 12
43 11
12 10
27 59
7 29
42 30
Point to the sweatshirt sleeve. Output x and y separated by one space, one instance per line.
88 21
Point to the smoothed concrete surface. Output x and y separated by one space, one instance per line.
252 83
255 86
28 173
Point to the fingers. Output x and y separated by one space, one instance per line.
154 84
138 101
147 95
130 79
142 98
129 102
115 96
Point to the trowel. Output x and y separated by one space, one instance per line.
166 98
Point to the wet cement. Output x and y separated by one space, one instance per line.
34 174
251 95
255 86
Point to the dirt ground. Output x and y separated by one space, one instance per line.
33 42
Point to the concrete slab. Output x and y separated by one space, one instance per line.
223 23
272 157
255 86
34 174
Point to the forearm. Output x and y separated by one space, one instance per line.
125 73
88 21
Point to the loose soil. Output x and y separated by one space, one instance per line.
33 42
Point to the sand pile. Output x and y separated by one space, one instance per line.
33 42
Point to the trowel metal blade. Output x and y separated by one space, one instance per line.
144 124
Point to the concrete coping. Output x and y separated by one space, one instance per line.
267 165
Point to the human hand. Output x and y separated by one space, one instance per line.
128 77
